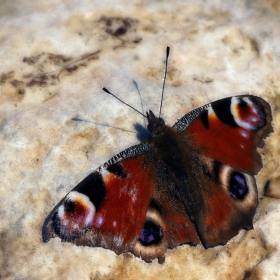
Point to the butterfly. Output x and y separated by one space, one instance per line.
190 183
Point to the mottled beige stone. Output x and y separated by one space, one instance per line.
56 55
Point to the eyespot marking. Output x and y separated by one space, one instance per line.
238 186
151 234
248 113
74 216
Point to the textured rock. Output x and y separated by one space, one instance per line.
55 56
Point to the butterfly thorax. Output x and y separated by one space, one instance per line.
167 142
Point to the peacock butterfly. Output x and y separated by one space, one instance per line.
189 183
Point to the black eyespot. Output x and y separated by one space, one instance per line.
70 207
242 104
237 185
151 234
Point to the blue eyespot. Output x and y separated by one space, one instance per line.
238 186
151 234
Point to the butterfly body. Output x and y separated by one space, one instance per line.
190 183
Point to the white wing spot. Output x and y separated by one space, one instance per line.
235 112
99 221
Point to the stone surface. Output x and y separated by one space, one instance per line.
56 55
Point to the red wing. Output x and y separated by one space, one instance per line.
126 205
228 200
221 142
167 223
229 130
108 208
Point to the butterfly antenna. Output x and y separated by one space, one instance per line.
101 124
141 100
107 91
166 62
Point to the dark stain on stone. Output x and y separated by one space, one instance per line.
119 26
56 59
16 83
32 59
247 274
47 77
72 68
6 76
137 40
40 80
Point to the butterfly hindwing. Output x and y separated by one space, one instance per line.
166 216
228 200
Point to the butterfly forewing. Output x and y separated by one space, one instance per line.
229 130
108 208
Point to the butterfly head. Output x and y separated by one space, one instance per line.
155 125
